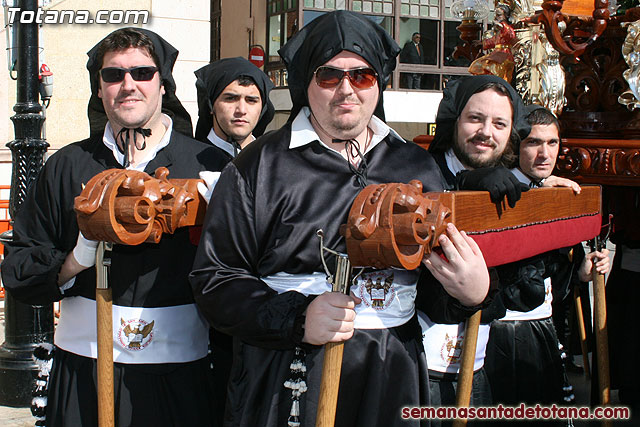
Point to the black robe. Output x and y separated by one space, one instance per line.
45 231
263 219
523 359
507 290
623 294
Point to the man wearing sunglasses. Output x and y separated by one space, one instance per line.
259 273
413 53
160 340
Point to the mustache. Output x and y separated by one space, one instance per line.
485 141
348 100
121 98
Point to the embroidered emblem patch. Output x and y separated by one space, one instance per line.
376 289
548 296
135 334
452 349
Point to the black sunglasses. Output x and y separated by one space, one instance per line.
143 73
361 78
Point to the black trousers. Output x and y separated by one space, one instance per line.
153 395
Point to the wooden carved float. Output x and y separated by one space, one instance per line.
556 23
396 225
130 207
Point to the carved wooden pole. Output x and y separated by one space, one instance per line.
129 208
332 364
465 376
602 338
106 407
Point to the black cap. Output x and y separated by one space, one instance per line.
213 78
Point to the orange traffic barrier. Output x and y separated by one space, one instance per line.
5 220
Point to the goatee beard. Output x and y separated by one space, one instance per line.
473 162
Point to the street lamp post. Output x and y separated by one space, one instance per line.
25 326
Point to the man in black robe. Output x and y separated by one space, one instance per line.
160 339
623 294
259 275
478 124
523 358
233 104
233 108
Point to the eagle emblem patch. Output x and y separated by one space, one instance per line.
135 334
452 349
376 289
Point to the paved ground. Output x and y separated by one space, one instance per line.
16 417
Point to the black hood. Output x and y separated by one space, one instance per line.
213 78
455 98
166 55
327 36
529 109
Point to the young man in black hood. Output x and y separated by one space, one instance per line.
523 359
233 108
233 104
259 275
161 372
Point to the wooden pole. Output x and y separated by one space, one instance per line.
106 408
465 376
332 364
602 340
331 369
583 333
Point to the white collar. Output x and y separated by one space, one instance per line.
525 179
222 144
455 166
108 138
303 133
453 163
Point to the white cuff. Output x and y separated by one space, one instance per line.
210 180
85 251
67 285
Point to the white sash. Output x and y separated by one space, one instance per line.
140 334
388 296
443 344
540 312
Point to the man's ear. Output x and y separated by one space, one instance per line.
162 91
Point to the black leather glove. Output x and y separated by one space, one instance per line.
498 181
